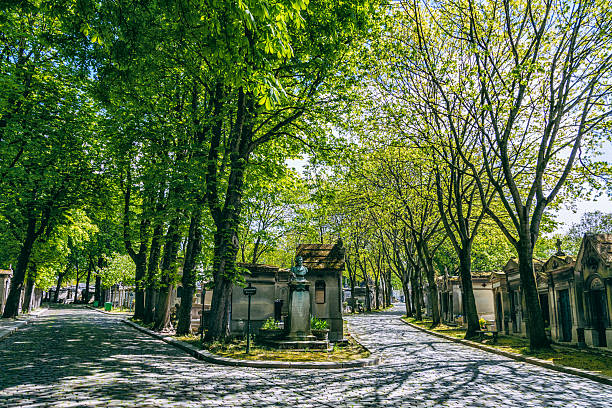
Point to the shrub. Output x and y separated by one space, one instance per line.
317 324
270 324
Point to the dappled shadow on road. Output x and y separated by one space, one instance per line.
81 356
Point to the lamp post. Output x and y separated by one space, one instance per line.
249 291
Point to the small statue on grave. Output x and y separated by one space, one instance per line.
299 270
559 250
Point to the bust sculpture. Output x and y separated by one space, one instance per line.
299 270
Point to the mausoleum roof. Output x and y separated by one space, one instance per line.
602 243
6 272
258 268
322 256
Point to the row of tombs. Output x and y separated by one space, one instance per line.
575 295
325 264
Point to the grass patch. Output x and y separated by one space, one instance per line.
453 331
369 312
141 323
121 310
558 355
237 349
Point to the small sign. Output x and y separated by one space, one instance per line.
249 290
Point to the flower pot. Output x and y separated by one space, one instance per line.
320 334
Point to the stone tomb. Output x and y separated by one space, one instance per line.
563 310
5 279
450 297
514 308
325 264
594 288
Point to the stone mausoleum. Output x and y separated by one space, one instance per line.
575 295
325 264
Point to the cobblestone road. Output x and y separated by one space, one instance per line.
79 358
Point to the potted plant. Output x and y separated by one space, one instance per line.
270 330
318 328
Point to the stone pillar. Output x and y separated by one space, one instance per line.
2 293
299 311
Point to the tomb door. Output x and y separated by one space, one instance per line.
544 307
499 314
565 315
598 304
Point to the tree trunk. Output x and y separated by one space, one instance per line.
141 266
168 272
226 215
11 308
389 287
76 288
427 263
60 277
151 283
188 280
535 322
255 250
406 298
351 275
368 302
224 261
416 293
377 290
469 302
98 290
86 293
26 307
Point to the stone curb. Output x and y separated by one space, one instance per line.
531 360
212 358
20 323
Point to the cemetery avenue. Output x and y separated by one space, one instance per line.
306 203
74 356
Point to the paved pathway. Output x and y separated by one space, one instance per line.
75 357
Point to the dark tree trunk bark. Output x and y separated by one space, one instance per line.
76 287
154 255
389 287
224 261
226 215
188 280
368 301
469 303
427 263
535 321
97 292
377 290
140 257
141 266
168 272
27 299
256 249
417 293
60 277
86 293
11 308
407 298
351 274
